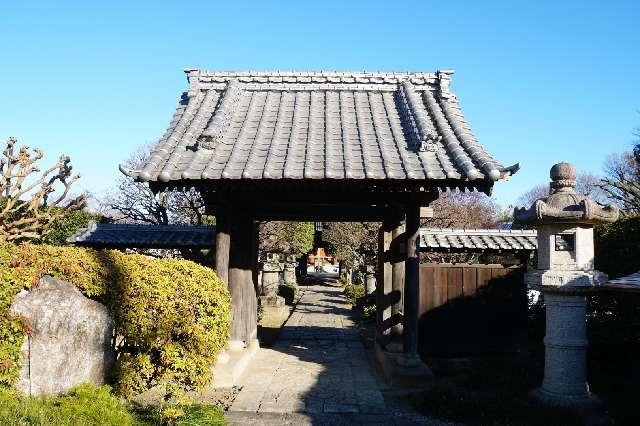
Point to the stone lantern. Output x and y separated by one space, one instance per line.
290 271
565 275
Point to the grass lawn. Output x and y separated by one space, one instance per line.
87 405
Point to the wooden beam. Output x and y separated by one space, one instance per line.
329 186
327 193
318 213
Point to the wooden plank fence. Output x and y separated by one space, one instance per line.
470 309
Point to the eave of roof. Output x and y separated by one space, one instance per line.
629 283
477 239
319 126
107 235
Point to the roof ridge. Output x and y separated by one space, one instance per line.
312 73
150 226
473 231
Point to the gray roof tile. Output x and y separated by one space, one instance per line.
477 239
317 125
111 235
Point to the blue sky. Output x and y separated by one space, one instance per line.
539 81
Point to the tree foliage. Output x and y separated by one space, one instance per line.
135 202
65 226
622 180
587 184
32 199
454 209
353 243
287 238
617 247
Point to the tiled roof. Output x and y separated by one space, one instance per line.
477 239
630 283
144 236
319 125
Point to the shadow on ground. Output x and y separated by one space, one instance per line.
317 372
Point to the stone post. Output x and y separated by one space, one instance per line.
565 275
290 271
370 280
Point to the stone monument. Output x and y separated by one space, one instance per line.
370 279
70 339
290 271
566 276
271 303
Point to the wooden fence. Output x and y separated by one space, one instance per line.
471 309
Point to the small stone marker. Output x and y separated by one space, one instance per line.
70 339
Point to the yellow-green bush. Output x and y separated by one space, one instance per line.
173 315
83 405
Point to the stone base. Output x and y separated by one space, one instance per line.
231 365
588 407
398 373
552 399
273 306
394 347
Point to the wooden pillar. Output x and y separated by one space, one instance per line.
223 222
241 286
411 287
383 282
397 253
255 254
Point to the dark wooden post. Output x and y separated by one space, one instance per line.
223 222
411 287
383 282
396 296
241 287
255 254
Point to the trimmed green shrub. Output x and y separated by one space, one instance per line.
369 311
88 405
617 247
289 292
353 292
173 315
67 225
186 415
83 405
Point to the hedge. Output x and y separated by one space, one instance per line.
173 315
617 247
67 225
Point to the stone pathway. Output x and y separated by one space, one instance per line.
317 365
318 371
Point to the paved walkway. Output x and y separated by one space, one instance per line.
317 373
318 364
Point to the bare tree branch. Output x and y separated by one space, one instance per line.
134 202
25 209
